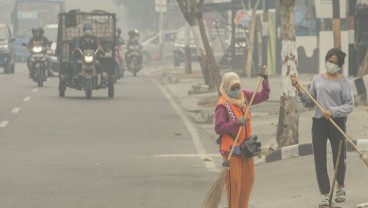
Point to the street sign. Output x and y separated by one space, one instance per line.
161 5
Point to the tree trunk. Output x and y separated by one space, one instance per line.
211 61
187 8
363 69
188 58
287 129
202 55
250 46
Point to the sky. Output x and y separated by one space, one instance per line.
6 6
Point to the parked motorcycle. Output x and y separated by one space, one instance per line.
37 64
134 59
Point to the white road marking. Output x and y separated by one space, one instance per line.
16 110
208 161
363 205
3 124
26 99
35 90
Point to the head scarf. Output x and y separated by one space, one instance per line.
228 80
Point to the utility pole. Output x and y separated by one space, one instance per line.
336 23
352 65
265 33
161 7
162 39
188 58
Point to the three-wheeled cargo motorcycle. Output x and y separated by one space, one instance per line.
86 70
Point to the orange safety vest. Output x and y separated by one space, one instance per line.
227 140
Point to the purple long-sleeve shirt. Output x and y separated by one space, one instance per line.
222 124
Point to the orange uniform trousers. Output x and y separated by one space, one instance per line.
239 181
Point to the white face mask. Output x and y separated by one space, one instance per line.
331 67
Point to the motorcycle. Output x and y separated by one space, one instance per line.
84 69
37 64
134 59
89 78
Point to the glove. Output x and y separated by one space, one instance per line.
243 121
263 72
226 164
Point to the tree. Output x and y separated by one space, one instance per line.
188 58
192 11
287 129
363 68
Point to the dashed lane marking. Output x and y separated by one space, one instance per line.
3 124
16 110
26 99
35 90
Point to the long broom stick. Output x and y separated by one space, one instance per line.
213 197
335 174
362 155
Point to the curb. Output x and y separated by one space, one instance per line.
304 150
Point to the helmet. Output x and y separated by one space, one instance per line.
136 32
87 27
131 33
39 29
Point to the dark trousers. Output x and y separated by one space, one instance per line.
321 130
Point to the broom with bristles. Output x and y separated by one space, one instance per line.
213 197
362 155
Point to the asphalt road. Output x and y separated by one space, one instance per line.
136 150
74 152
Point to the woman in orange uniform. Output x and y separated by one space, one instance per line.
229 115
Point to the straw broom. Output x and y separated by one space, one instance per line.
362 155
213 197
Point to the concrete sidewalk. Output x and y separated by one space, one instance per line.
287 183
265 115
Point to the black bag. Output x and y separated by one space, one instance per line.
250 147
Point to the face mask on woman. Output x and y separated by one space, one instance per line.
88 32
331 67
233 93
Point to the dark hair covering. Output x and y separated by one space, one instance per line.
338 53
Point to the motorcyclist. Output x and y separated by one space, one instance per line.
119 39
133 38
86 42
37 40
120 61
133 41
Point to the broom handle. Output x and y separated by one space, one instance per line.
250 104
335 174
332 121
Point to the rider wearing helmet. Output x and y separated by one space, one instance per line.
132 41
40 40
86 42
136 34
